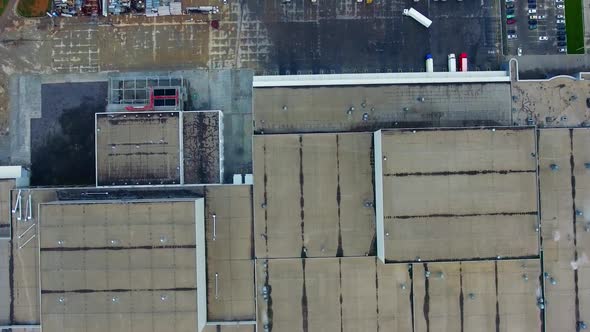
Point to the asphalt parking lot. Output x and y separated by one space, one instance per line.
335 36
529 40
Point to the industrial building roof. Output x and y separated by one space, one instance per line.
128 266
362 294
368 108
313 195
138 148
456 194
155 148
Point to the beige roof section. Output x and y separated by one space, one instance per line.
313 195
230 253
459 194
128 266
326 109
476 296
566 243
138 148
334 294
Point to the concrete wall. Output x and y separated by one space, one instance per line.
379 196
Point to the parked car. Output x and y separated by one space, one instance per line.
560 21
532 11
560 26
511 32
561 44
543 38
562 50
560 38
509 11
560 33
558 1
533 17
509 6
519 51
559 6
510 16
533 22
532 6
532 1
512 36
510 21
532 26
559 17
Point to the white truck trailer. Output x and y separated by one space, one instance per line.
413 13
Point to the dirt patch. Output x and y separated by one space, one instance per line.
33 8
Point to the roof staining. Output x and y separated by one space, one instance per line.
458 194
201 147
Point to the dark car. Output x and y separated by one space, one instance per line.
561 38
509 6
511 32
532 27
533 22
532 6
560 32
509 11
510 21
532 1
561 44
560 26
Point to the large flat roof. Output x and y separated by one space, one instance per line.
566 241
313 195
367 108
127 266
362 294
456 193
138 148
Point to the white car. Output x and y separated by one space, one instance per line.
559 17
519 51
533 17
560 21
543 38
562 50
512 36
559 6
532 11
559 1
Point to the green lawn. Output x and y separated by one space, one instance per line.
574 26
4 4
33 8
